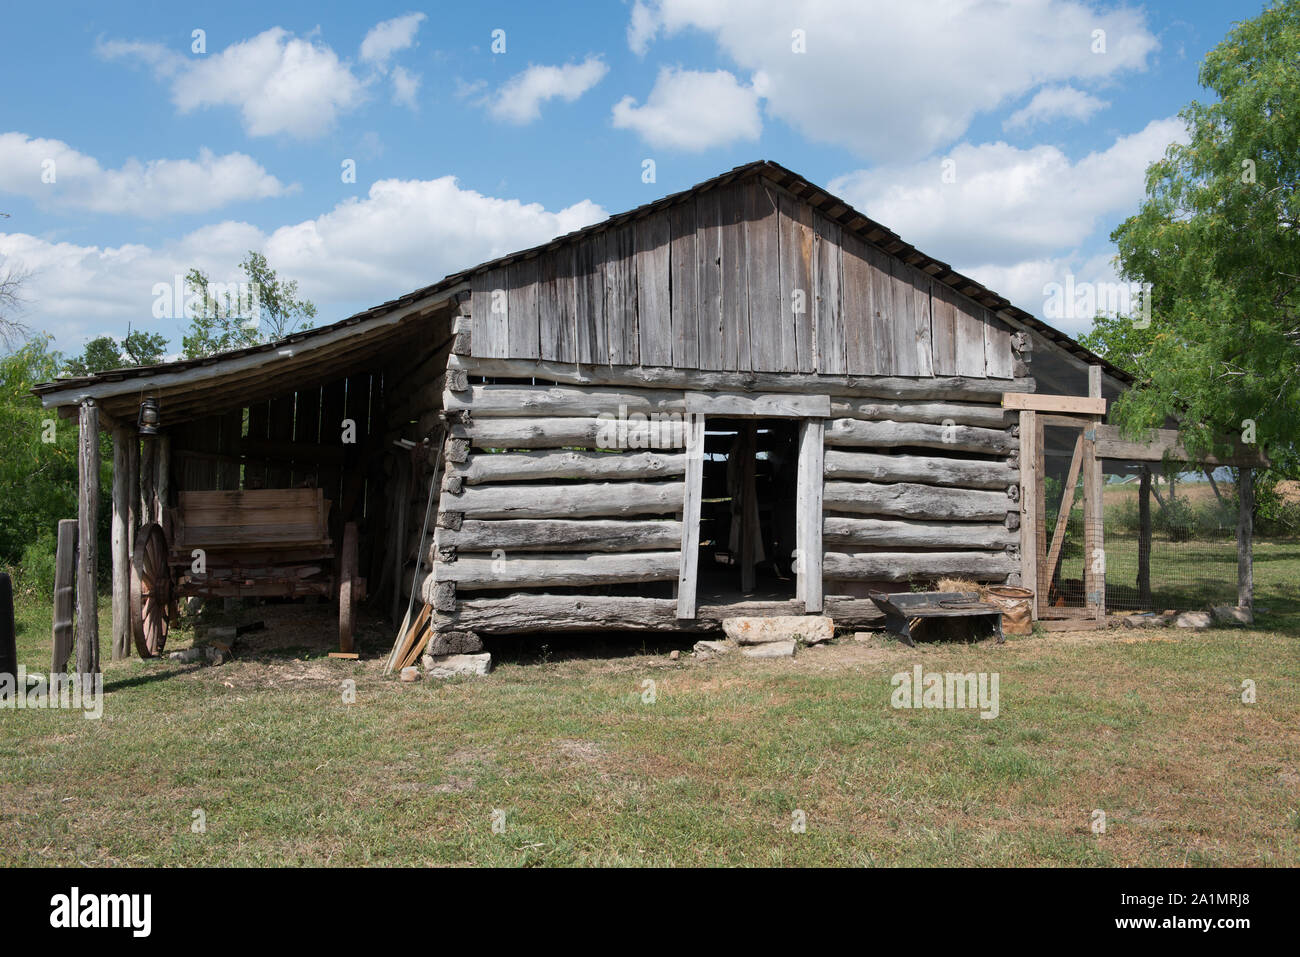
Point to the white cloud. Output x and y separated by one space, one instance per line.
1055 102
280 83
689 110
404 234
405 86
520 99
895 81
1019 203
388 37
151 189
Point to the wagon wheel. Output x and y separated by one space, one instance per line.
347 586
151 591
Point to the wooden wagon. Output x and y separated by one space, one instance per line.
252 543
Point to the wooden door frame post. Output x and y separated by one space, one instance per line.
1094 540
120 544
1031 488
808 513
689 565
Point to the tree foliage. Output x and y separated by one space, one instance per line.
263 308
105 353
1216 237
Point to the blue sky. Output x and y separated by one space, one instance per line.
163 158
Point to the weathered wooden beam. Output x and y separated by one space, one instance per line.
88 543
1094 556
935 413
902 566
765 406
1245 532
689 551
561 534
700 380
118 544
916 501
928 470
887 434
1067 404
1111 444
544 465
488 401
809 512
612 432
542 571
65 595
909 533
164 476
589 500
1031 488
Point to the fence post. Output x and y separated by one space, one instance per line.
1245 528
8 642
88 540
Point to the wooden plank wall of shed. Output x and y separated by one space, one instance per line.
744 277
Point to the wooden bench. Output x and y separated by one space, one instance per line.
901 608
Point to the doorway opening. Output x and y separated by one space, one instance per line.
747 514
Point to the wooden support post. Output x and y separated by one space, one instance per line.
148 479
164 475
65 595
119 543
133 504
1031 487
1094 555
1245 529
688 569
404 480
88 539
749 521
1144 539
808 514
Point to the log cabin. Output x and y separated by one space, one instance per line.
745 398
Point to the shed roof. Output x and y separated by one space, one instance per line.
305 344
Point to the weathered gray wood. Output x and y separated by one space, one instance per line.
136 512
1245 533
969 325
569 501
684 288
88 542
525 612
522 333
862 351
771 325
998 360
1031 489
589 300
943 331
543 571
654 307
490 306
65 595
764 406
916 501
689 552
735 279
164 476
118 544
889 434
798 279
935 413
495 401
708 213
906 322
563 464
555 305
829 337
636 431
1094 559
921 315
901 566
884 387
928 470
1111 444
808 514
905 533
561 535
620 296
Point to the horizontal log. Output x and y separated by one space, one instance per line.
928 470
934 413
889 434
767 406
916 501
699 380
900 533
902 566
1111 444
611 432
562 464
542 571
588 500
560 534
486 401
524 612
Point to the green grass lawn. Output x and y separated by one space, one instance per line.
1148 727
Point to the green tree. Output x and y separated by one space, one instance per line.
105 353
1217 239
263 308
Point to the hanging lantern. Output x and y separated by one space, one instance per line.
148 421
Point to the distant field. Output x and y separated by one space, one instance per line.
1147 727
